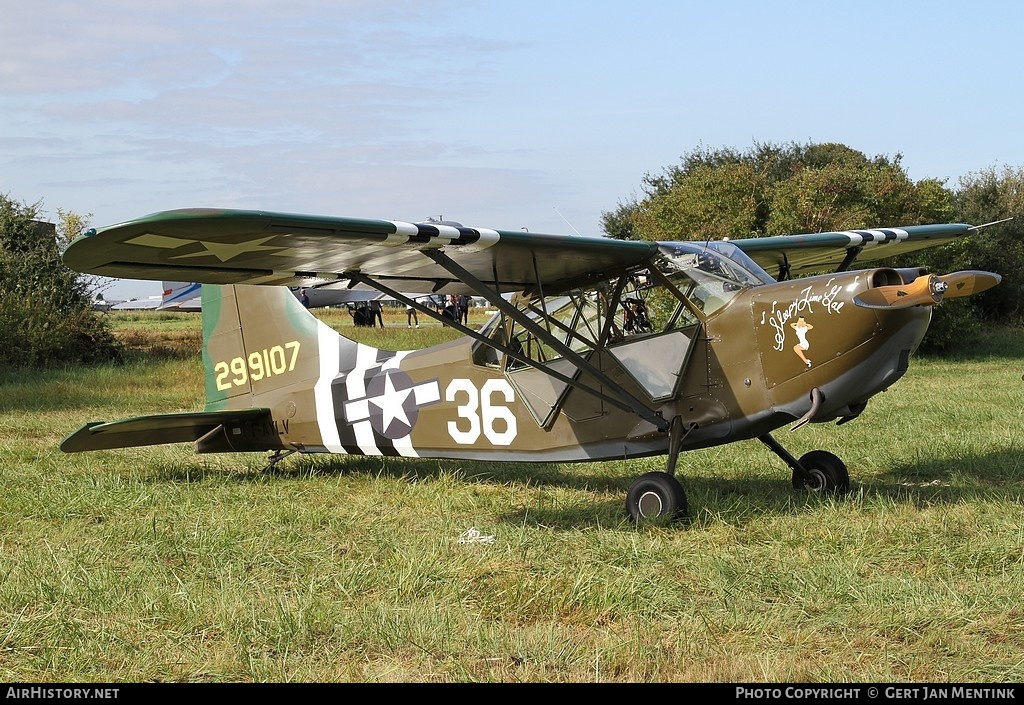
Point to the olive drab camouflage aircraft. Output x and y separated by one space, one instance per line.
600 349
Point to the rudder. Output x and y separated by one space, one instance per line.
257 340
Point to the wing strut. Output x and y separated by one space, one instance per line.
851 255
654 418
632 403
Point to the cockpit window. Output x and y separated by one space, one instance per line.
688 279
716 271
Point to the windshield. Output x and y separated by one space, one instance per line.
717 271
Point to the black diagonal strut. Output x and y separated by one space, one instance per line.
851 254
632 403
514 354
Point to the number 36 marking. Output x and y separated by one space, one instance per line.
497 422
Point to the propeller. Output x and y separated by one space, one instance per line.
927 290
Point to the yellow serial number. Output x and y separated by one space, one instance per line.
257 365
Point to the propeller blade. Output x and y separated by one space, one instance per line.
927 290
968 282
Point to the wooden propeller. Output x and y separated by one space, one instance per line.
927 290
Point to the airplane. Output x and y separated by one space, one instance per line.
181 296
150 303
176 296
725 351
186 296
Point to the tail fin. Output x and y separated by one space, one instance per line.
257 340
272 371
262 348
278 378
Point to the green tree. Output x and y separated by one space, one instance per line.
988 196
773 189
982 197
710 203
46 312
777 190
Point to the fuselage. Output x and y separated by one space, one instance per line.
744 369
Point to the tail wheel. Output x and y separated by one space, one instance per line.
829 474
656 495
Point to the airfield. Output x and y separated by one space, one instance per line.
155 564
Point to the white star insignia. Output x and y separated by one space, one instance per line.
225 251
390 403
221 250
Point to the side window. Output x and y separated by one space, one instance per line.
574 320
648 307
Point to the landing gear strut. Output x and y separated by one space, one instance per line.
659 494
818 471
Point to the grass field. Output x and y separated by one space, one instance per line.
156 564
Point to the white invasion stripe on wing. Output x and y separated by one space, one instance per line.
867 238
403 232
444 233
487 238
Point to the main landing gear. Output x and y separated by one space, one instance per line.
819 471
655 495
659 494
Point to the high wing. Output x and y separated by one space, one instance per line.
254 247
217 246
788 256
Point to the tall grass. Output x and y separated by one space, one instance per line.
156 564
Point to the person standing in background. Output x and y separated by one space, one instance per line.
375 313
412 316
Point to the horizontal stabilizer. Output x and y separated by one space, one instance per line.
158 429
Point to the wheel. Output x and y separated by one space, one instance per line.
656 495
829 472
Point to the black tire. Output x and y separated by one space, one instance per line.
829 472
656 495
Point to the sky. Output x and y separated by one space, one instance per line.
495 114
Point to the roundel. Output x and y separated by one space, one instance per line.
393 409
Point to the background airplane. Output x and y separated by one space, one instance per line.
724 351
186 296
150 303
176 296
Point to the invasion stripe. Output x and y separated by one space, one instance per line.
329 354
355 388
867 238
